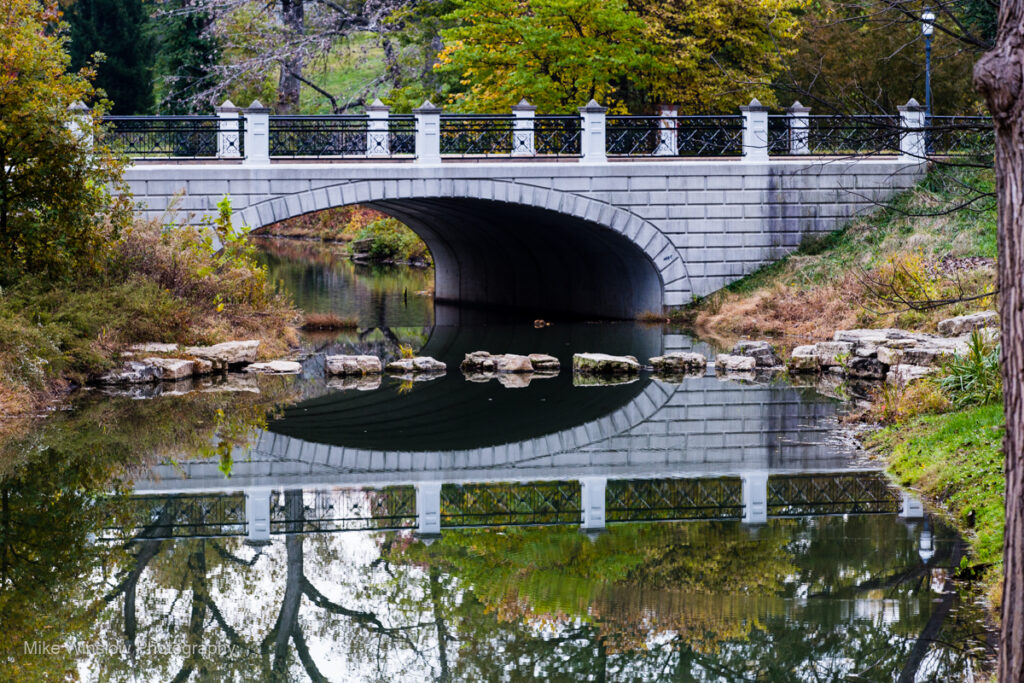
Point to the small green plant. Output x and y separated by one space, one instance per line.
406 351
843 361
973 379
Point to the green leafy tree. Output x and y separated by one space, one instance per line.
56 206
117 30
627 54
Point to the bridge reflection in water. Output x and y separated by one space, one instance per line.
592 503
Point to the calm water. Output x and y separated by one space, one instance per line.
400 530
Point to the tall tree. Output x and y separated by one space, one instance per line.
186 56
999 76
54 196
117 29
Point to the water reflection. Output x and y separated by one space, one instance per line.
813 598
461 531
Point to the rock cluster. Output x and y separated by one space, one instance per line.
484 362
679 363
201 361
894 355
604 364
352 366
415 366
762 352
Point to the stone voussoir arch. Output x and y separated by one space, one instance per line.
648 238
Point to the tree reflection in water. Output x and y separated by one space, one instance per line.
809 599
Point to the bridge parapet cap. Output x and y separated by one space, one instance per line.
523 105
797 108
377 105
78 106
228 107
593 107
754 106
257 107
912 105
427 107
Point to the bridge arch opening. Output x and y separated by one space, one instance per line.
520 257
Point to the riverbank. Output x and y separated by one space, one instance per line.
153 286
887 270
921 247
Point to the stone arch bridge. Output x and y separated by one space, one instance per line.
602 217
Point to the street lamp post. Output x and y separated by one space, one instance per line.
927 28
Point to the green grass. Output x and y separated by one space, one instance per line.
955 459
895 228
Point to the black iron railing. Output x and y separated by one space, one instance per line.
556 135
960 136
859 135
389 508
831 494
673 499
476 135
674 135
318 136
153 137
467 505
183 516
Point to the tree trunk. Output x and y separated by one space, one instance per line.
288 86
999 76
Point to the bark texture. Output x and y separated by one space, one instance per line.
293 16
999 76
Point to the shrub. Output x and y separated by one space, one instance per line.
895 403
392 240
973 379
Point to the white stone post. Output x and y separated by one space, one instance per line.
523 138
911 507
428 508
428 133
799 129
592 503
755 131
755 498
377 138
593 135
79 123
229 137
257 134
667 138
257 516
912 133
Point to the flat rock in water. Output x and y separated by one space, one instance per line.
544 363
417 365
604 364
132 372
679 362
965 324
483 361
356 366
866 368
804 359
730 363
761 351
275 367
173 368
228 353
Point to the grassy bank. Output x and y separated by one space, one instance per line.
153 286
943 436
956 460
924 244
